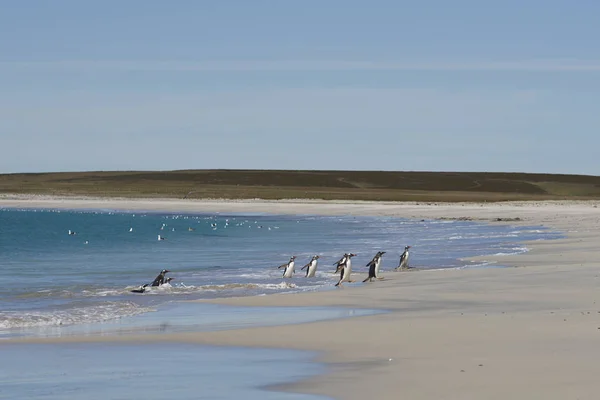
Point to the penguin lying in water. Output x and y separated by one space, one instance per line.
141 289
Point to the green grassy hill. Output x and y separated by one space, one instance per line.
341 185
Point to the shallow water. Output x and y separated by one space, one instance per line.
102 371
54 279
197 317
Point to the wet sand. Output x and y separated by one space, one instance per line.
526 332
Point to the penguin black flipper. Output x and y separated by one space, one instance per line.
371 272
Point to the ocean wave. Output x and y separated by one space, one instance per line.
93 313
515 250
480 236
179 289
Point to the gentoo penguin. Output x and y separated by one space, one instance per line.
289 267
374 266
161 237
311 267
160 279
72 233
403 264
340 263
141 289
346 269
167 282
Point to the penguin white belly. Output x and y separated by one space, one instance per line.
377 265
347 271
312 269
289 270
404 262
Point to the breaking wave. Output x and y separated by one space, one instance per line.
93 313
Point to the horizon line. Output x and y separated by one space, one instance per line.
295 170
532 65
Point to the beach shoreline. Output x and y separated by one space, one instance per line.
471 333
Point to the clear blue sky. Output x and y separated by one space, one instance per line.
330 84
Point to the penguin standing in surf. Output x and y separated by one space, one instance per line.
311 267
144 288
289 267
374 267
403 264
346 269
160 279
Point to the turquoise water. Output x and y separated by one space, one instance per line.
157 371
53 279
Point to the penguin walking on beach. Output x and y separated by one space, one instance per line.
403 264
289 267
339 264
346 270
311 267
374 265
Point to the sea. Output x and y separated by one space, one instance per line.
72 272
53 278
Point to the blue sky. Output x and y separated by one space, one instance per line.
378 85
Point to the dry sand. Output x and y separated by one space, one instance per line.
531 331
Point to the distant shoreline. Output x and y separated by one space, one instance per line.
396 186
476 211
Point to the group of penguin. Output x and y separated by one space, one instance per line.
160 280
344 266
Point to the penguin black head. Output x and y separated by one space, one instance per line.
317 257
164 271
351 255
292 258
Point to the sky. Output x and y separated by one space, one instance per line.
506 86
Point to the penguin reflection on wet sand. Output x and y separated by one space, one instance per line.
311 267
374 265
346 270
289 267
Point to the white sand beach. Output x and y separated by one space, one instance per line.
529 331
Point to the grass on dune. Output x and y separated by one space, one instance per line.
327 185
